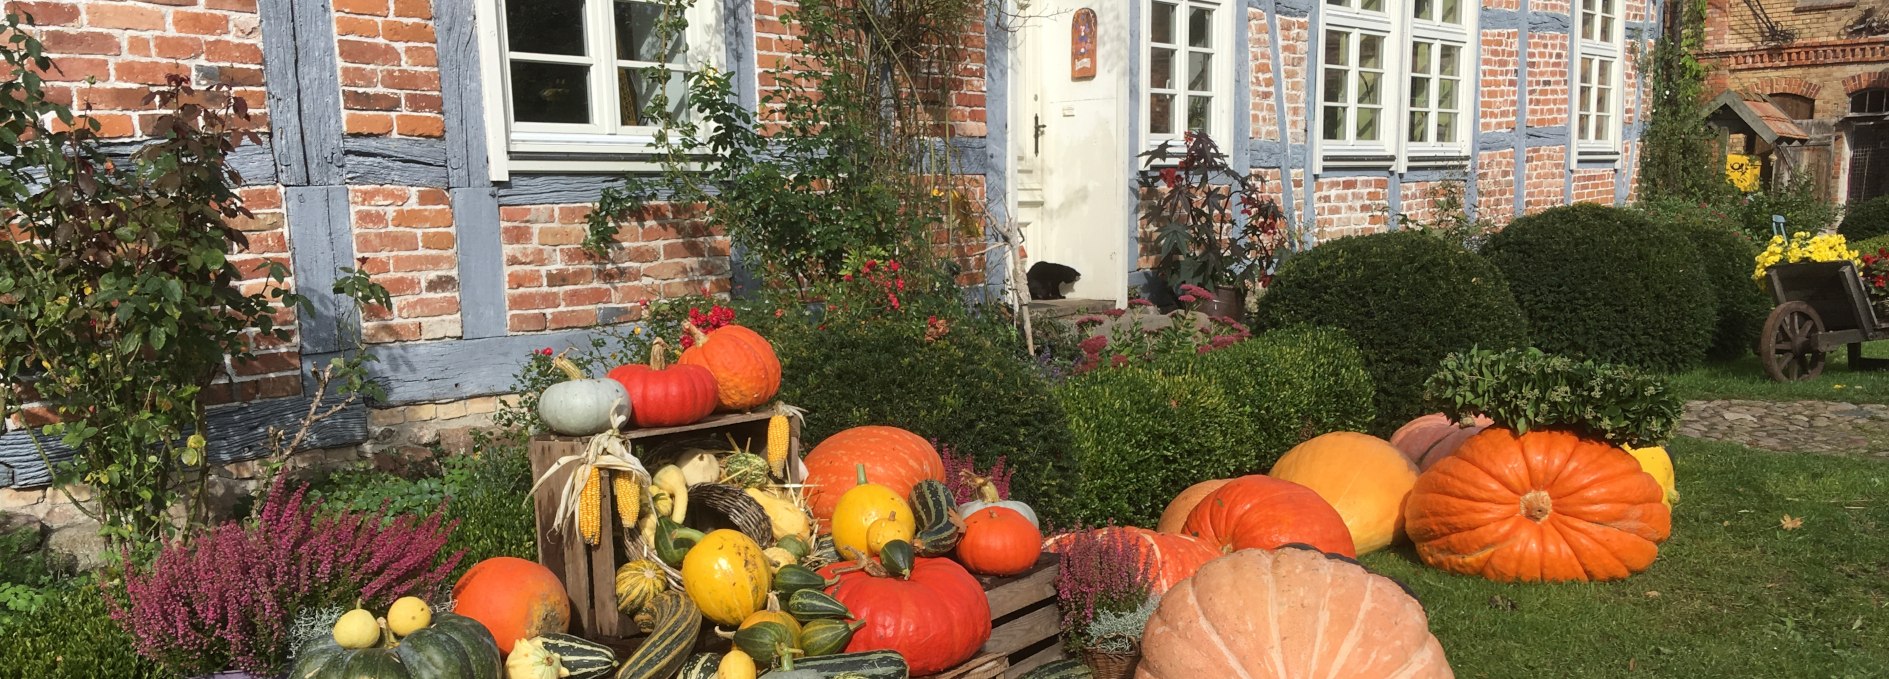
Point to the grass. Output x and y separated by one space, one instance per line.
1744 379
1733 593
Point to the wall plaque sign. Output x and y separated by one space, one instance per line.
1082 46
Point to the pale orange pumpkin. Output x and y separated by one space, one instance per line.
1170 557
1435 436
1362 476
1544 506
514 598
893 457
1174 518
747 373
1288 614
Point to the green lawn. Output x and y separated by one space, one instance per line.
1732 595
1744 379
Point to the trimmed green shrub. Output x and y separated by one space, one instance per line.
1865 220
1726 255
1289 385
1407 299
1525 389
1140 436
71 635
968 388
1799 202
1606 284
1871 246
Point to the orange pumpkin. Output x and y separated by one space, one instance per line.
1287 614
1543 506
893 457
1362 476
1174 518
1170 557
747 373
1262 512
514 598
1435 436
999 541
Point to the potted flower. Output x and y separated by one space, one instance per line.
1103 590
1214 229
1875 273
1803 247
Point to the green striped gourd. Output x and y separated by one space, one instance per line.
768 642
1067 668
792 578
813 604
936 513
583 658
701 666
869 665
827 636
678 622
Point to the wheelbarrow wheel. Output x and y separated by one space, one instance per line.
1788 346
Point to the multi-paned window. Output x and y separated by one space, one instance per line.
1597 76
1438 65
578 76
1357 51
1184 68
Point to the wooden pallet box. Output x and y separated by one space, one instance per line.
1026 626
589 573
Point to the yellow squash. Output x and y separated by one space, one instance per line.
783 514
863 506
727 576
1655 461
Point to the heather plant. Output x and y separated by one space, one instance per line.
1102 576
227 598
960 469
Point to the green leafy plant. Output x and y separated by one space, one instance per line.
1726 254
72 636
1525 389
1288 385
1680 157
1140 436
1606 284
1214 226
1449 217
1865 220
1406 298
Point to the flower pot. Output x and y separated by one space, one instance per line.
1226 303
1108 665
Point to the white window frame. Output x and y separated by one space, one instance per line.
1355 23
601 145
1462 36
1220 80
1607 46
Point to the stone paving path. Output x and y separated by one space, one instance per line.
1829 427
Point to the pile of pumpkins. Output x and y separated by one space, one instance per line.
730 368
1473 498
867 569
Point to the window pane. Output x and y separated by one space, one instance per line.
1164 23
545 26
1420 57
1606 31
1161 114
1367 123
1200 27
637 38
1424 9
1334 128
1448 60
1338 48
1161 68
1446 94
1419 125
1371 51
635 90
1337 86
550 93
1371 5
1419 92
1199 113
1452 12
1340 3
1200 71
1368 90
1446 128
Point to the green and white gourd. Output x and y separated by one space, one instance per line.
582 406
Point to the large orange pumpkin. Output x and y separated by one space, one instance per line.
1543 506
1288 614
893 457
1174 518
1171 557
1435 436
1362 476
514 598
1262 512
747 373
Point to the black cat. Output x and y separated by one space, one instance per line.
1048 278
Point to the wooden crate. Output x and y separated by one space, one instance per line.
589 573
1026 626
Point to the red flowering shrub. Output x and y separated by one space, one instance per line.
225 598
716 317
1875 274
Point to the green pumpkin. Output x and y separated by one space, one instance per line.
747 470
453 647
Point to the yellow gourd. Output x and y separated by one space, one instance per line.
530 660
861 507
887 530
408 615
735 665
783 515
727 576
1655 461
357 629
782 618
778 557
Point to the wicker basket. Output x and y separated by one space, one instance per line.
1107 665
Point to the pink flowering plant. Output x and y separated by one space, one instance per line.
1134 341
1103 576
225 598
960 469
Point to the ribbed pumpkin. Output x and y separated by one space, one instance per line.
937 617
452 646
1434 436
999 541
1288 614
663 395
514 598
894 458
1174 518
1261 512
1362 476
747 373
1171 557
1544 506
727 576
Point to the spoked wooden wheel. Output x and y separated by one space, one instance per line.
1788 346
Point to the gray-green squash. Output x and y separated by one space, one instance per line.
453 647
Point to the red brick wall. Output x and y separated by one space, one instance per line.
389 67
552 283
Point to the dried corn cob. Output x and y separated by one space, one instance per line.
778 431
590 508
629 497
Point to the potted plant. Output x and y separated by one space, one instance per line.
1103 590
1213 228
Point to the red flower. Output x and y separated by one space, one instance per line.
848 278
546 351
1119 360
1115 313
1139 302
893 265
1197 291
1094 345
1187 299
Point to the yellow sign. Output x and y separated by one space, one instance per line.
1742 171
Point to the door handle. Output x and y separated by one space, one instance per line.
1038 140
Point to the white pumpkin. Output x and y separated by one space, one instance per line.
987 497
